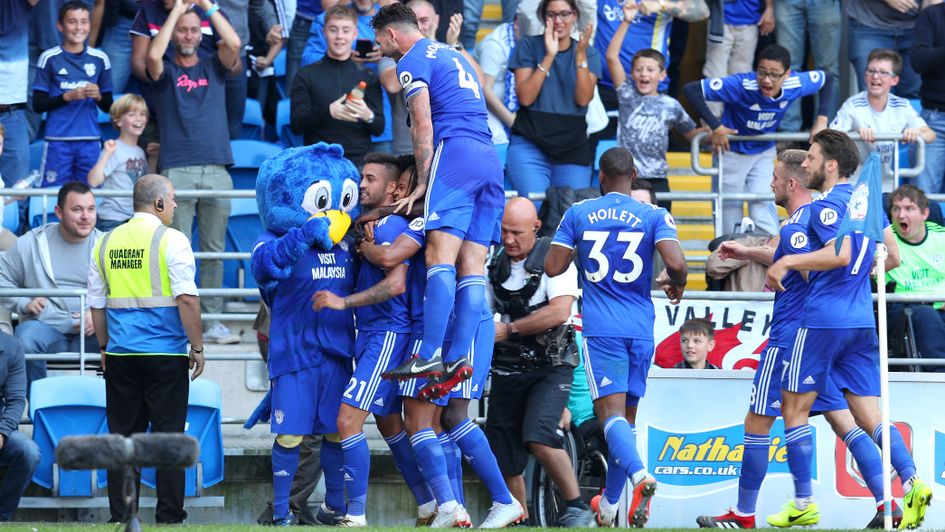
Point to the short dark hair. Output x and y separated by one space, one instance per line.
394 14
910 192
838 146
649 53
341 12
543 8
617 162
72 186
387 160
776 52
644 184
73 5
699 327
884 54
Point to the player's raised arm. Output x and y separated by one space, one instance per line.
389 256
421 133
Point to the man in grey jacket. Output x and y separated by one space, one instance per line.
55 255
17 452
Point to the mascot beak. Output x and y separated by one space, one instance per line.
339 223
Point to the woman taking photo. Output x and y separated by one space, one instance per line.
555 77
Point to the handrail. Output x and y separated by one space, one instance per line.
116 193
769 296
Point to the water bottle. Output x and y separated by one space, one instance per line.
29 181
357 92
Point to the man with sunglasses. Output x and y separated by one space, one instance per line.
755 104
876 110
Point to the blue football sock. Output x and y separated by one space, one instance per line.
284 463
438 300
357 470
470 298
333 464
406 463
754 469
799 452
898 453
868 458
432 464
454 465
624 459
472 441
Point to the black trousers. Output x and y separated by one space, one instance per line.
140 390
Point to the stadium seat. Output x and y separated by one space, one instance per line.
286 136
105 126
279 66
37 154
253 124
66 406
204 405
242 231
35 215
11 217
248 155
602 146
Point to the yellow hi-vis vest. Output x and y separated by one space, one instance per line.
141 311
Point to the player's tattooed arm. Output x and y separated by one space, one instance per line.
421 133
393 285
390 256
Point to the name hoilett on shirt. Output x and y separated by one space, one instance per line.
619 215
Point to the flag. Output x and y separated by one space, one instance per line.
865 210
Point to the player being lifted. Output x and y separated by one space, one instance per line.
613 238
789 184
459 175
837 339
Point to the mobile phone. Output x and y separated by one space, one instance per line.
364 47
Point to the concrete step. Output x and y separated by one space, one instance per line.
690 183
683 160
696 281
695 232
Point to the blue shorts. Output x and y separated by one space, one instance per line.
849 357
306 401
766 387
466 196
376 353
69 160
617 365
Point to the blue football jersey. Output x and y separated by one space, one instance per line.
300 337
58 72
416 275
839 298
789 304
615 237
392 315
749 112
646 31
457 105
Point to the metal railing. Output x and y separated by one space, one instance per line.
718 197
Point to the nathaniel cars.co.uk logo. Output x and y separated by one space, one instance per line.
700 458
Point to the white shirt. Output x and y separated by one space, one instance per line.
549 288
181 266
857 113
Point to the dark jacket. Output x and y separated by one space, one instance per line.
12 383
928 55
316 86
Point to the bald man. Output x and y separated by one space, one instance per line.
532 382
144 328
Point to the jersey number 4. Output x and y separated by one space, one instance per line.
599 238
466 80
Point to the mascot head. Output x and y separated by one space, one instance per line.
301 183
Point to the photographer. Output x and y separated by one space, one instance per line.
533 361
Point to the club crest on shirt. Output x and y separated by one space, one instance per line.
89 69
859 202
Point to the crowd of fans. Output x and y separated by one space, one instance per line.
556 79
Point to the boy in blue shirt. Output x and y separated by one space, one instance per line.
613 239
755 103
72 80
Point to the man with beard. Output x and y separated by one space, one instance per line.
189 93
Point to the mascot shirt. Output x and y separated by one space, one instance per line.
300 337
416 276
391 315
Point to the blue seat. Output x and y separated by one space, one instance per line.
60 407
283 117
204 405
37 154
242 231
35 215
253 124
105 126
279 66
11 217
248 155
602 146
